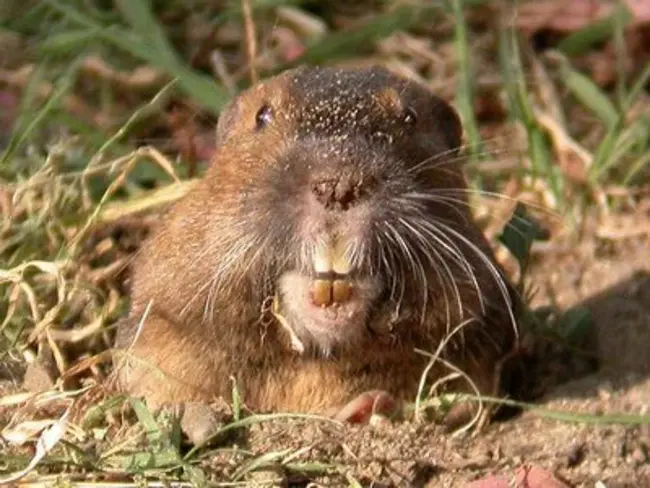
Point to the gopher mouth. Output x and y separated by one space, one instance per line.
330 305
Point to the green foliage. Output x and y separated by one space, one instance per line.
465 92
583 40
519 234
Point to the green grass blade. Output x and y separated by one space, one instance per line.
575 324
140 113
620 59
196 476
603 154
583 40
341 44
571 417
62 87
140 17
521 109
352 481
145 417
589 94
95 414
236 400
165 458
72 14
153 48
465 92
514 77
541 156
269 458
638 86
618 143
519 234
636 168
68 41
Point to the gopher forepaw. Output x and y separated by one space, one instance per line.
367 404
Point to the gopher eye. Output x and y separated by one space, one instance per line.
263 117
410 117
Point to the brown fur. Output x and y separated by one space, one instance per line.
195 337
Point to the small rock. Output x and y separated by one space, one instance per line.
379 420
40 373
199 422
491 481
576 455
536 477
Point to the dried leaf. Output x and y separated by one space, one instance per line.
48 439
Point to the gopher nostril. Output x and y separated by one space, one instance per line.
324 191
337 194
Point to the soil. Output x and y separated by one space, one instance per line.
610 277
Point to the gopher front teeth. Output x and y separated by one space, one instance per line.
341 291
340 262
322 292
327 292
332 257
331 266
323 260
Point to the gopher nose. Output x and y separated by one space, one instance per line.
338 193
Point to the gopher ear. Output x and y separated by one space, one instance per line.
447 123
227 119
